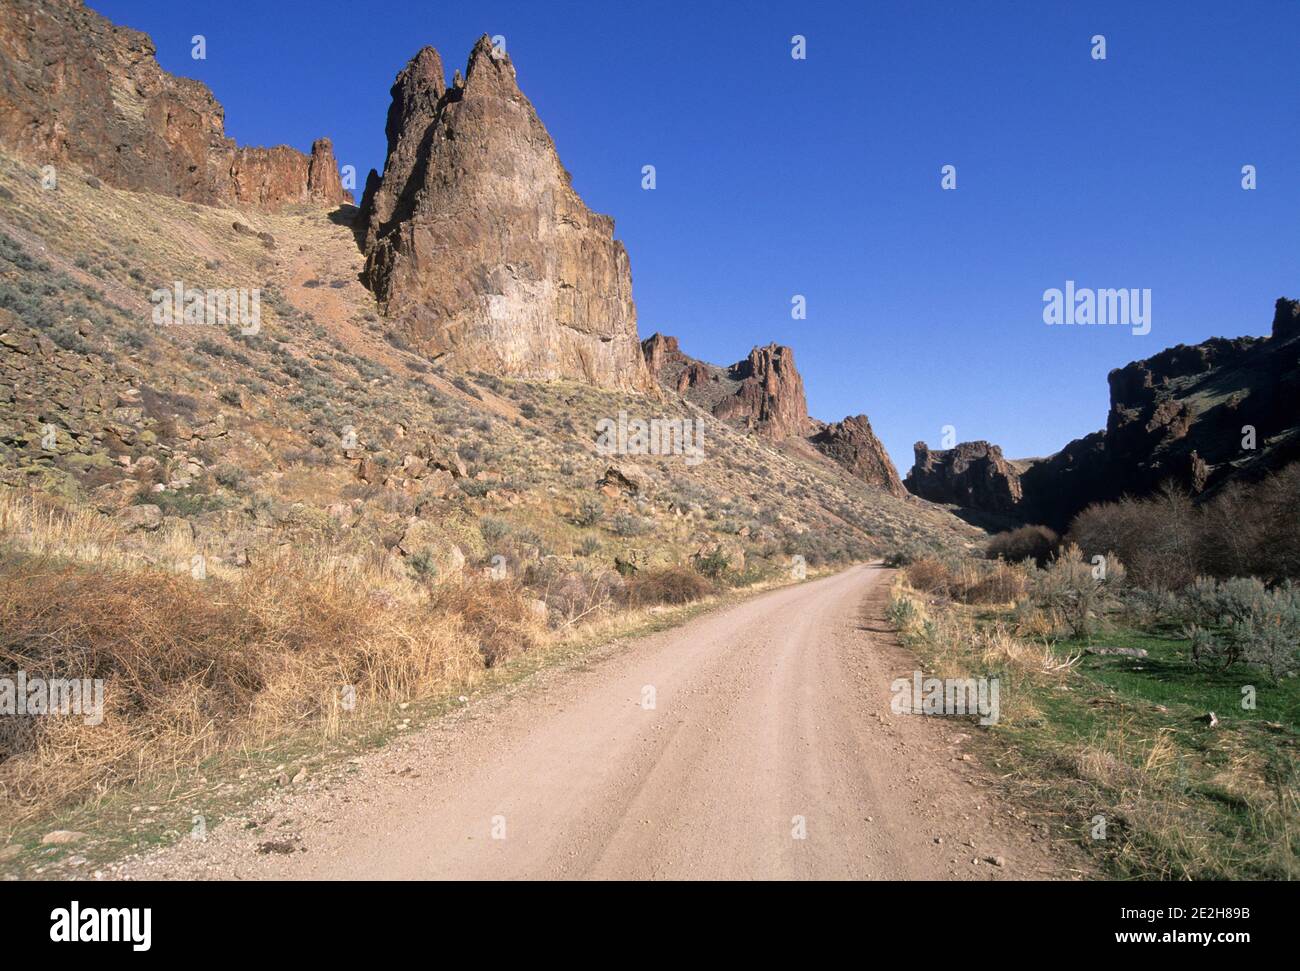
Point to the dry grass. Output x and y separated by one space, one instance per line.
192 668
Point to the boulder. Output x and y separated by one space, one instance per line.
145 517
425 539
626 478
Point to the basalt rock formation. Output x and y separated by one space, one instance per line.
1193 416
477 246
973 474
78 90
764 394
769 396
854 445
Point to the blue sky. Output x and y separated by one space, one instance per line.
821 177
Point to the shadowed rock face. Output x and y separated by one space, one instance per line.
854 445
478 247
1178 417
974 474
76 89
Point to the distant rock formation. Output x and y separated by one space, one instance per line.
973 474
660 352
854 445
1195 416
476 244
769 397
77 90
764 394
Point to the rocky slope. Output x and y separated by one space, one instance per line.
1197 416
476 244
319 429
764 394
78 90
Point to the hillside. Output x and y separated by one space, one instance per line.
322 421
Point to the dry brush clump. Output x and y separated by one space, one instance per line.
969 581
669 585
1037 543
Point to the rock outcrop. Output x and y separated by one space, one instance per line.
854 445
764 394
476 244
973 474
661 352
77 90
769 398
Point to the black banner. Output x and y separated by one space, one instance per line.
143 921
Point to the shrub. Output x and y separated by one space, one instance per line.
998 584
1078 593
627 525
590 512
1036 543
713 564
493 529
902 612
903 556
1156 538
574 594
1248 529
930 575
1242 620
469 389
672 585
197 667
230 476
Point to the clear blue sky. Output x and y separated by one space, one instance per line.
821 177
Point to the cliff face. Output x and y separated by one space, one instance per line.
974 474
1182 416
478 247
76 89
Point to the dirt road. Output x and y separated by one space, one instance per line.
753 742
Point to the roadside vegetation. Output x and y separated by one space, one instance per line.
1153 712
